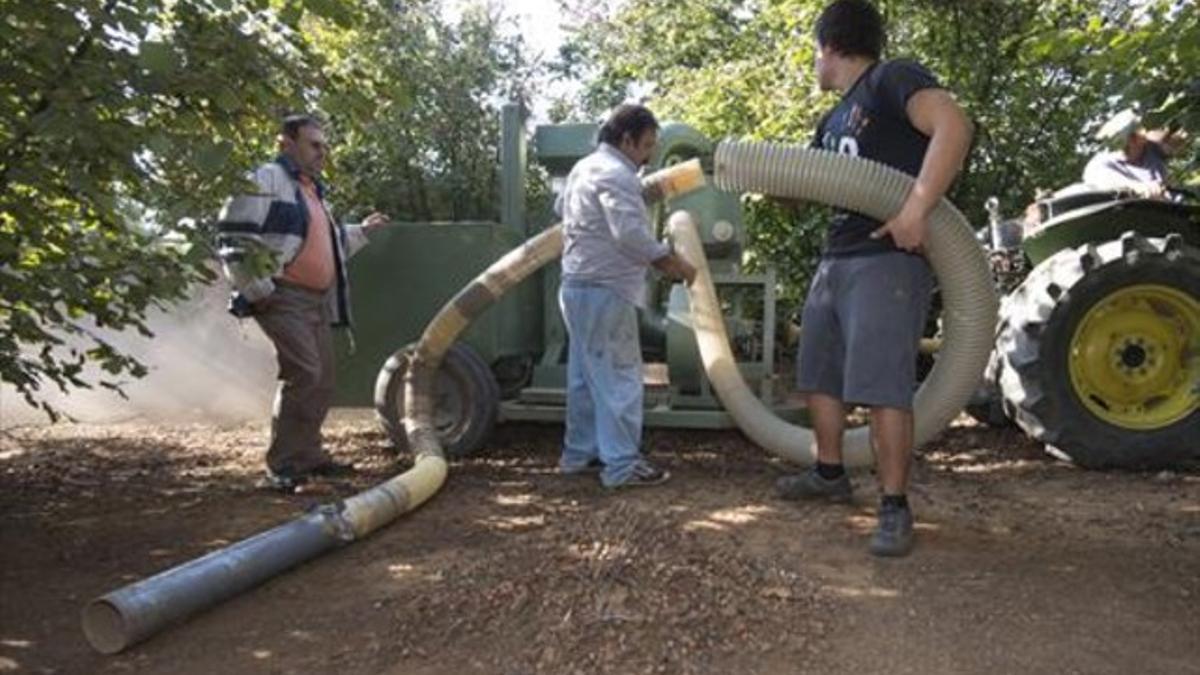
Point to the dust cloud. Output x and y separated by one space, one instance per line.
205 366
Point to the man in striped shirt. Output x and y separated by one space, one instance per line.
285 256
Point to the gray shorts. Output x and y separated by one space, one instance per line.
861 327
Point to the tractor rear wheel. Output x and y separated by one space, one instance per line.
465 392
1100 352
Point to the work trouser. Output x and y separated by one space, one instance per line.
604 381
862 324
297 320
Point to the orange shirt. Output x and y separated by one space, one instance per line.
313 265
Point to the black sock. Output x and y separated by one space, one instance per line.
899 501
830 471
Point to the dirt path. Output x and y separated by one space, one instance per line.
1024 565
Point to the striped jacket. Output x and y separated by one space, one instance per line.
260 233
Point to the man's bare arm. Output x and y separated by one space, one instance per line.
935 113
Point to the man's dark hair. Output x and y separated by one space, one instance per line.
292 124
629 119
851 28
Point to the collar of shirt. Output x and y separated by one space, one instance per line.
294 171
614 151
1153 155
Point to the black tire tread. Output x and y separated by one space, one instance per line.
483 408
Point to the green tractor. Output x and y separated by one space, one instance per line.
1098 341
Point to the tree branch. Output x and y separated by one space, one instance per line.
41 102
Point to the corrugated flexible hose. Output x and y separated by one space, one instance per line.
968 297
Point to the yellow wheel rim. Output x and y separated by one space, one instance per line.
1135 357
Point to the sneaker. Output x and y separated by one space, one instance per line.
590 469
332 469
894 535
810 485
644 473
281 482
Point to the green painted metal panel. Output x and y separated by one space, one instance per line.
683 353
512 167
678 142
718 216
1106 221
559 146
407 273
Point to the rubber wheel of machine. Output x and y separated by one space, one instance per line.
467 398
1099 353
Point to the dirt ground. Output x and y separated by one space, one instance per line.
1024 564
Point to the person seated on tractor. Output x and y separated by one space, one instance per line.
1139 164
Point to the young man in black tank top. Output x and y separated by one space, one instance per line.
866 307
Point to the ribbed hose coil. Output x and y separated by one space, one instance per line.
969 302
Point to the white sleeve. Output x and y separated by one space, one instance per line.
629 221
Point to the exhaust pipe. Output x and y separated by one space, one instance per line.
135 612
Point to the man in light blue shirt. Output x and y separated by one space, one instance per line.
607 247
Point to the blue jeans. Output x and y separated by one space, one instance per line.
604 381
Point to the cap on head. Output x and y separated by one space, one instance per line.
1119 127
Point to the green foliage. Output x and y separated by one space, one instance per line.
429 149
1036 76
116 120
1147 57
788 238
